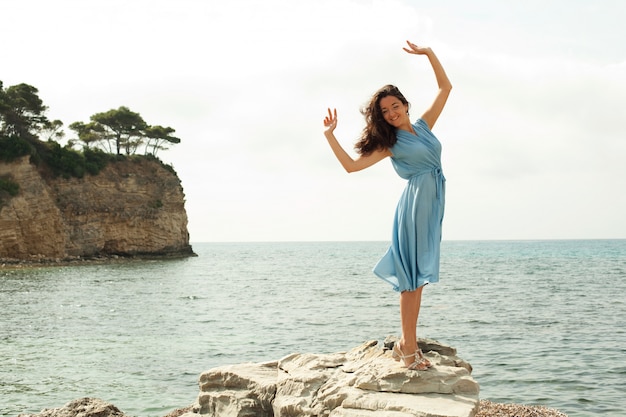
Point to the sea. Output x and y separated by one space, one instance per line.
541 322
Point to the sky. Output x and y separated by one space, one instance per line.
533 134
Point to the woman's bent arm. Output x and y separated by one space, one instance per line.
431 114
348 163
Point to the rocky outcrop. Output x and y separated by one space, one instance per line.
82 407
362 382
133 207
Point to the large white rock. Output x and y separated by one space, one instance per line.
238 390
365 381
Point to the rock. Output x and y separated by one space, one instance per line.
490 409
238 390
132 207
83 407
365 381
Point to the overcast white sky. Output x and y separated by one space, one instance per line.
534 131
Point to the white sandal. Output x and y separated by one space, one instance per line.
418 364
421 356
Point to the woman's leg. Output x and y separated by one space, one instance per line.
410 302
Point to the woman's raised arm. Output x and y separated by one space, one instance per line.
348 163
431 114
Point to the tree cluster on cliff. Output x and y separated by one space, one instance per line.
25 129
123 131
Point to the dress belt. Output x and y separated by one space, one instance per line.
439 178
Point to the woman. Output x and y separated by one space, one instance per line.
412 260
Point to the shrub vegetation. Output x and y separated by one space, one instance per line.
108 136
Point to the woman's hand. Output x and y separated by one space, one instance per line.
431 114
330 121
416 50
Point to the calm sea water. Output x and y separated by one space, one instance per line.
542 322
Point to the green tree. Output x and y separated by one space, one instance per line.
158 137
92 133
52 130
3 105
126 128
120 130
21 112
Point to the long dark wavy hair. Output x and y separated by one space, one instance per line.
378 134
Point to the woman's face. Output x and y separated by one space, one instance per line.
394 112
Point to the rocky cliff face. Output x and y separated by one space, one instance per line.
133 207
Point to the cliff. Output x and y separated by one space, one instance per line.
132 207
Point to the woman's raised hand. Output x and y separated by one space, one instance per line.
417 50
330 121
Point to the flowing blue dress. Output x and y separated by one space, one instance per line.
412 259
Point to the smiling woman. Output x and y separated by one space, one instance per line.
412 260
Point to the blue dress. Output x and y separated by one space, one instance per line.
412 259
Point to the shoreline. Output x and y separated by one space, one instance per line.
35 262
94 407
486 408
